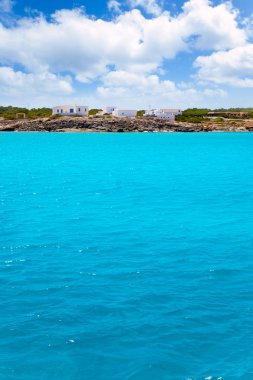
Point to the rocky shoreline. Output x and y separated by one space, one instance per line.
81 124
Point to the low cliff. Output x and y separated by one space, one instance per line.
79 124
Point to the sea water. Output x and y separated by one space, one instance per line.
126 256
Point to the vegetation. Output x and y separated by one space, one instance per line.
140 113
196 112
194 115
218 120
197 115
11 113
94 111
191 119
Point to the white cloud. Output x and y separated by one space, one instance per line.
121 88
150 6
16 85
74 42
114 5
130 48
211 27
136 89
233 67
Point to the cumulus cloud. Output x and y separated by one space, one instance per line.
16 84
152 91
152 7
74 42
233 67
211 27
114 5
130 46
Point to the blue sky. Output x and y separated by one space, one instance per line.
127 53
99 7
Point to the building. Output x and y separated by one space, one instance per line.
150 112
71 110
164 113
124 113
109 110
173 111
227 114
168 114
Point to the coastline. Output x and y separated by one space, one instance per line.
137 125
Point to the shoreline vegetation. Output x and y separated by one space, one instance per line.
15 119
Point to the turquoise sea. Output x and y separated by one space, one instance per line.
126 256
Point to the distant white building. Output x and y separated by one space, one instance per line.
171 111
71 110
124 113
150 112
109 109
164 113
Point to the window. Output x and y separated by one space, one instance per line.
71 110
61 111
58 111
79 109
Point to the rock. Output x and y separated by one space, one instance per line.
80 124
7 129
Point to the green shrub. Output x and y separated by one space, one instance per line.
140 113
10 112
94 111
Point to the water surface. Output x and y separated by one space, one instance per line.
126 256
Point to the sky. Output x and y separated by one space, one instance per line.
136 54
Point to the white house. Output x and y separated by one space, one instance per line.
150 112
109 109
124 113
164 113
71 110
172 111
